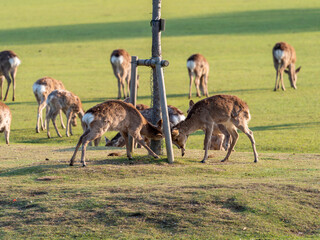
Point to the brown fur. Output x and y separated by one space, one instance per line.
287 60
201 73
119 116
228 110
49 84
122 72
8 72
5 121
71 106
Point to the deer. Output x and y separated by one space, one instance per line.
69 104
198 67
284 57
9 62
121 64
220 137
5 121
175 116
115 115
228 110
41 89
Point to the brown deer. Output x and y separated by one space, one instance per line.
228 110
115 115
198 67
41 89
284 56
175 116
9 63
220 137
69 103
121 63
5 121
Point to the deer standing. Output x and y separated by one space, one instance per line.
69 103
5 121
121 63
9 63
284 56
198 67
228 110
41 89
115 115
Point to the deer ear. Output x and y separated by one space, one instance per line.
286 71
191 103
298 69
175 132
159 124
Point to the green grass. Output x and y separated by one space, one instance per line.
72 41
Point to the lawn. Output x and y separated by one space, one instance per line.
72 42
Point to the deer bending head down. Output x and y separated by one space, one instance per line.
284 56
5 121
70 104
121 64
115 115
9 63
41 89
228 110
198 67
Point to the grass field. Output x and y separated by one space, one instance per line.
72 41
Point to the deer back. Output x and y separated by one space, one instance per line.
120 60
198 64
44 86
284 53
8 61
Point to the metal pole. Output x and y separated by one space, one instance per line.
164 109
133 92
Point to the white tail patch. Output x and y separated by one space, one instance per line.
14 62
191 65
38 89
177 118
117 60
88 118
278 54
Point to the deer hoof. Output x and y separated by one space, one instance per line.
71 164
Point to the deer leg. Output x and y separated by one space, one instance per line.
197 83
281 80
13 76
205 85
52 115
119 85
39 116
77 146
126 140
7 134
123 87
234 139
190 84
207 140
97 141
1 85
128 80
69 115
249 133
142 143
9 83
61 120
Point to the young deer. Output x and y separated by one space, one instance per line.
69 103
5 121
9 63
220 137
199 67
228 110
115 115
284 56
121 63
175 116
41 89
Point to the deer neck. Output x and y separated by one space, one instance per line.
190 125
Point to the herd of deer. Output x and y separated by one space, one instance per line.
218 116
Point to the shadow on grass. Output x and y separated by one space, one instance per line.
250 22
31 170
284 126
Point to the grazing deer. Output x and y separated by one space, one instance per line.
41 89
220 137
9 63
121 63
228 110
284 56
198 67
115 115
175 116
5 121
69 103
